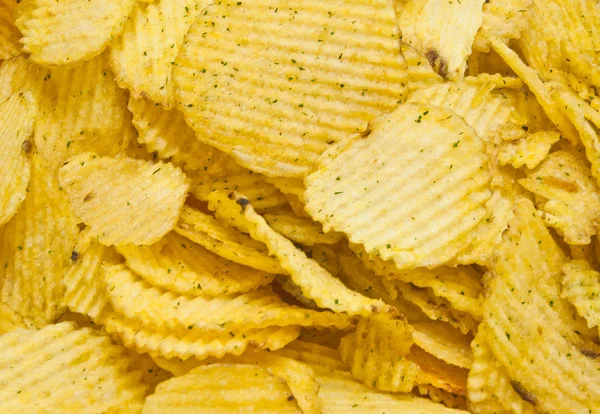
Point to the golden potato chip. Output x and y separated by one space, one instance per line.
444 164
438 373
84 287
316 283
301 230
502 19
9 34
429 26
226 242
531 78
440 396
327 257
286 283
492 65
188 343
376 353
313 354
82 109
489 388
61 369
583 66
60 33
339 393
444 342
17 115
276 93
567 195
291 186
35 248
223 388
581 286
124 200
161 309
144 55
177 264
21 74
529 151
542 357
420 71
10 320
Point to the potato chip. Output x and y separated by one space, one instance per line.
489 387
223 388
376 353
276 93
420 71
84 287
58 33
438 373
20 73
502 19
17 115
440 396
531 78
567 195
313 354
291 186
542 357
316 283
226 242
293 290
327 257
61 369
529 151
581 65
299 229
175 263
9 34
445 167
82 109
429 26
161 309
144 55
35 248
581 286
10 320
339 393
444 342
490 64
124 200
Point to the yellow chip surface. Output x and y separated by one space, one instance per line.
276 92
430 26
502 19
10 320
314 281
35 248
144 55
124 200
529 151
9 34
41 371
177 264
581 286
223 388
61 33
444 342
17 115
299 229
439 190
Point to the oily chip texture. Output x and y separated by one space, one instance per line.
276 92
124 200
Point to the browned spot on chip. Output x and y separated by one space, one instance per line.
525 395
437 62
27 146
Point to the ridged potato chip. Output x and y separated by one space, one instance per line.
313 354
430 27
435 372
223 388
179 265
581 286
9 34
82 109
35 248
542 357
529 151
60 368
226 242
502 19
20 73
567 195
143 56
316 283
581 66
440 396
124 200
17 116
276 93
376 354
340 393
420 71
299 229
489 388
10 320
164 310
61 33
444 342
440 190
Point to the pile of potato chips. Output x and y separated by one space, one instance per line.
310 206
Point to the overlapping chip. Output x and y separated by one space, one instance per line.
64 33
276 92
299 229
444 342
10 320
581 286
529 151
124 200
443 162
502 19
9 34
17 116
